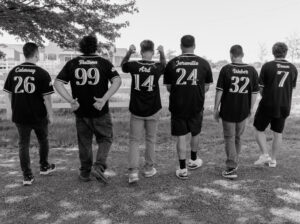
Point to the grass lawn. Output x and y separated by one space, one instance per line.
259 195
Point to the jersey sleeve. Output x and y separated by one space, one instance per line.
64 74
209 76
112 72
221 80
46 84
127 67
255 85
8 85
262 77
295 78
168 74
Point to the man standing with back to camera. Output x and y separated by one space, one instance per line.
236 92
89 76
187 78
277 80
29 88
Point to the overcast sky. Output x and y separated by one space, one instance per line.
216 24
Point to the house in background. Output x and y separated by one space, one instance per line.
13 52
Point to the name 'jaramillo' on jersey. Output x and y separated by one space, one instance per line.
188 63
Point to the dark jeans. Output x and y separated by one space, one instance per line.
41 131
101 127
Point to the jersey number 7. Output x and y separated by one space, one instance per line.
284 76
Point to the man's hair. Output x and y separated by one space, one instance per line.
29 49
147 45
279 50
188 41
236 51
88 44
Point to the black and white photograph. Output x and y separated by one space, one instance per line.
149 112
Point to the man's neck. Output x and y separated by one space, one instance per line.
146 58
188 51
30 60
237 61
279 58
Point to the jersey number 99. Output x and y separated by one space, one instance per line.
90 76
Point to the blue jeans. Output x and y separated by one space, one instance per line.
232 135
101 127
137 127
41 132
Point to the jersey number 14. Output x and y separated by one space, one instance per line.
147 83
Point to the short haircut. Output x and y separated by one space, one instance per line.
88 44
236 51
147 45
279 50
188 41
29 49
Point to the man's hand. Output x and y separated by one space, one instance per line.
75 105
160 49
216 115
99 104
132 49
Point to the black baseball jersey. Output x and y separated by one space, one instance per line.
238 82
145 96
89 76
187 74
277 78
28 83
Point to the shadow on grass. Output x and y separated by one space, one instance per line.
260 195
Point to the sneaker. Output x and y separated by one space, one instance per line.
230 173
150 173
262 160
182 173
133 177
194 164
272 163
84 177
28 180
46 170
99 174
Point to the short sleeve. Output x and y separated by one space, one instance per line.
112 71
262 77
209 75
46 84
8 85
255 86
64 74
221 80
168 74
295 78
126 67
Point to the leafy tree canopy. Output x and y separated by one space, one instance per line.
63 21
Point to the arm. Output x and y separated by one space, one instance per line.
253 100
168 88
217 104
9 96
60 88
48 104
100 102
162 57
131 51
206 87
